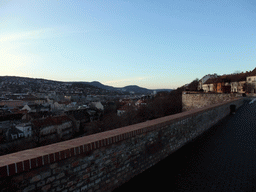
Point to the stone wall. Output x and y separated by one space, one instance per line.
104 161
198 100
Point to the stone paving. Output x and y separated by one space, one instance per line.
222 159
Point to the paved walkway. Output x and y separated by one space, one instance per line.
222 159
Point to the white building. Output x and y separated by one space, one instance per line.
204 79
25 128
97 105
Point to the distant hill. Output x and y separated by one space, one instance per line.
136 89
100 85
14 84
25 84
130 88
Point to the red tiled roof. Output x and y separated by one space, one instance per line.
38 115
230 77
238 77
64 102
253 73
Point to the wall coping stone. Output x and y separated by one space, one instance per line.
26 160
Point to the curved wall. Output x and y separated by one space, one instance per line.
104 161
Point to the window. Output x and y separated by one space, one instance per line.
14 136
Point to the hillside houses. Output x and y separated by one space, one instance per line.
44 115
62 125
80 118
232 83
53 111
140 103
122 110
129 104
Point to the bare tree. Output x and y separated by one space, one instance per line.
236 72
36 130
193 86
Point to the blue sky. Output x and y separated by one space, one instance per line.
153 44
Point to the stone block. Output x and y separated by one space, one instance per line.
56 183
64 180
72 188
56 171
60 175
45 175
84 188
80 184
50 179
93 178
41 183
75 164
46 188
86 176
60 188
53 166
97 181
91 184
29 188
100 174
70 183
84 166
35 178
90 158
77 169
107 181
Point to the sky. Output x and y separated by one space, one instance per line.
152 44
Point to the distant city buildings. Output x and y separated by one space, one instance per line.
55 108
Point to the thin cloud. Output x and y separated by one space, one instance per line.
39 34
24 35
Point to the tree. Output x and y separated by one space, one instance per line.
145 113
110 121
193 86
36 133
237 72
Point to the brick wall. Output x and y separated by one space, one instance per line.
104 161
198 100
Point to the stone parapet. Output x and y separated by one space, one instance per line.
104 161
192 100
